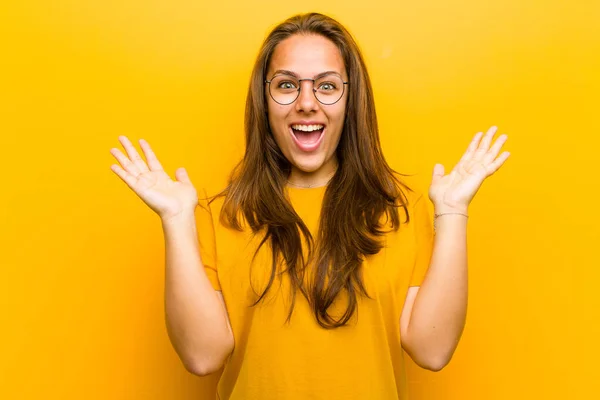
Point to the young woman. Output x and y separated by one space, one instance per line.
317 265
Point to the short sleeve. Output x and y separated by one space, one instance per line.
206 239
423 233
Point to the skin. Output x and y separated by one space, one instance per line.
434 314
433 317
307 56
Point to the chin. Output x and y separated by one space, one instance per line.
308 166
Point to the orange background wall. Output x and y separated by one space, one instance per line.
81 286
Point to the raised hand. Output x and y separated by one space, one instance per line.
454 192
168 198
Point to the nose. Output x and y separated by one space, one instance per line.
306 100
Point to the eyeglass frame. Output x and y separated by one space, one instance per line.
313 88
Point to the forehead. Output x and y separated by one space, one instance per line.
307 56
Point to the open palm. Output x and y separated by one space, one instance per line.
457 189
168 198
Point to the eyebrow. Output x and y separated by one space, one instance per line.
295 75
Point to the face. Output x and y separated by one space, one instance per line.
311 154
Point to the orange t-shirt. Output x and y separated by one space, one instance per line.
302 360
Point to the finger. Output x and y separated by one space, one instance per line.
486 141
182 175
470 150
493 152
129 179
153 162
125 162
133 154
493 167
472 146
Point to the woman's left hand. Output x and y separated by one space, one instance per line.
454 192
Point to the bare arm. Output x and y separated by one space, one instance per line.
434 316
196 317
435 322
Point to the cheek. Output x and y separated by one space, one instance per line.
338 119
275 119
274 111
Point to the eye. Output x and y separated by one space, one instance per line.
286 85
327 86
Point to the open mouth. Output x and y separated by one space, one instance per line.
307 137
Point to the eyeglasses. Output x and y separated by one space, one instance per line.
285 88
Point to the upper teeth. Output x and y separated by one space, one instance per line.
307 128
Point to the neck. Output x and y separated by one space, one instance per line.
321 177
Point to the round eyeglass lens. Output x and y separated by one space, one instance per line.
285 89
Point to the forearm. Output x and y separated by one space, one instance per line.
196 320
439 312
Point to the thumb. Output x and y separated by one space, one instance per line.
182 175
438 173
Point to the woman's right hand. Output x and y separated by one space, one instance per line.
168 198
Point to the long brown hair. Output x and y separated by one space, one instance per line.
363 189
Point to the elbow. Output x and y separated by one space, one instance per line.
202 368
429 356
437 362
434 362
435 365
209 365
